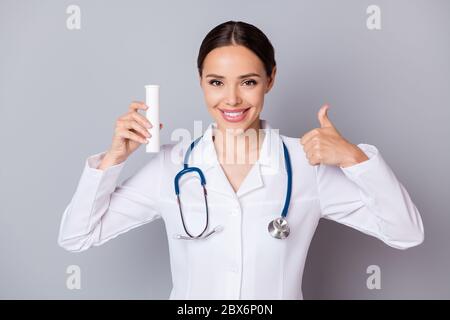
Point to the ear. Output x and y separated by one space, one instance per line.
271 79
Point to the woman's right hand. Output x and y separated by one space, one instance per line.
131 130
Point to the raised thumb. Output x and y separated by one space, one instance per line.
323 117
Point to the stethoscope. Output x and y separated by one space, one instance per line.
278 228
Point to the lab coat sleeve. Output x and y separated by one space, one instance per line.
368 197
101 209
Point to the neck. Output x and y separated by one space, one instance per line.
238 146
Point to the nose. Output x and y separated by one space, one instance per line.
233 98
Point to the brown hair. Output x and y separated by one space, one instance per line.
238 33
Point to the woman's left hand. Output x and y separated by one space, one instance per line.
325 145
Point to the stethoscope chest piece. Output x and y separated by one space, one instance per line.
279 228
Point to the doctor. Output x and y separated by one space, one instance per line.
245 255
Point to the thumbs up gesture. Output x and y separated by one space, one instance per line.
325 145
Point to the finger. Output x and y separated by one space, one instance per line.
323 117
137 105
309 135
313 159
132 124
138 134
134 115
310 147
127 134
143 121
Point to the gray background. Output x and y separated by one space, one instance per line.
61 91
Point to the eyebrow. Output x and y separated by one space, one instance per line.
240 77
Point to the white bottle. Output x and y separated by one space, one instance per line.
152 114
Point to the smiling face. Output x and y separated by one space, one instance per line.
234 82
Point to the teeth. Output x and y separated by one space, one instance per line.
233 114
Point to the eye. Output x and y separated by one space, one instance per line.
214 81
253 82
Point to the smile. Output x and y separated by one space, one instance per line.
234 115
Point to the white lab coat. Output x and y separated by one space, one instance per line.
243 261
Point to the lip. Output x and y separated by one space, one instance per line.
234 110
234 119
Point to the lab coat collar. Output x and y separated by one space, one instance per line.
270 161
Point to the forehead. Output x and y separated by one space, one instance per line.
232 61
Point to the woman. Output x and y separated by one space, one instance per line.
239 256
